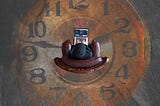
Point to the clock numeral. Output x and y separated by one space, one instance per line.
29 53
58 8
47 9
129 49
78 98
71 4
82 95
79 4
125 74
107 93
123 28
59 92
37 76
106 7
37 29
104 90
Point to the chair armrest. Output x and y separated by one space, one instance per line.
95 46
66 46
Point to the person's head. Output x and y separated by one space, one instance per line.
79 51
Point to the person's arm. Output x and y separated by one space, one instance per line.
71 51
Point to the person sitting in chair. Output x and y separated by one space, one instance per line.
80 57
80 50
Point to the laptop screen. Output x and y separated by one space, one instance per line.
81 35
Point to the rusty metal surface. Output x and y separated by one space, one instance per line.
11 11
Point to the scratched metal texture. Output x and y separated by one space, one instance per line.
12 10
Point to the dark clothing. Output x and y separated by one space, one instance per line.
80 51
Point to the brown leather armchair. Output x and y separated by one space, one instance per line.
72 64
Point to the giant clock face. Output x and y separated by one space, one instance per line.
115 24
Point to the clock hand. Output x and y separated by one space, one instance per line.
105 37
121 29
42 44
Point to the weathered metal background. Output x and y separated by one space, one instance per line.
12 10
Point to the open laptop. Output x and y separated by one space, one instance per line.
81 35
